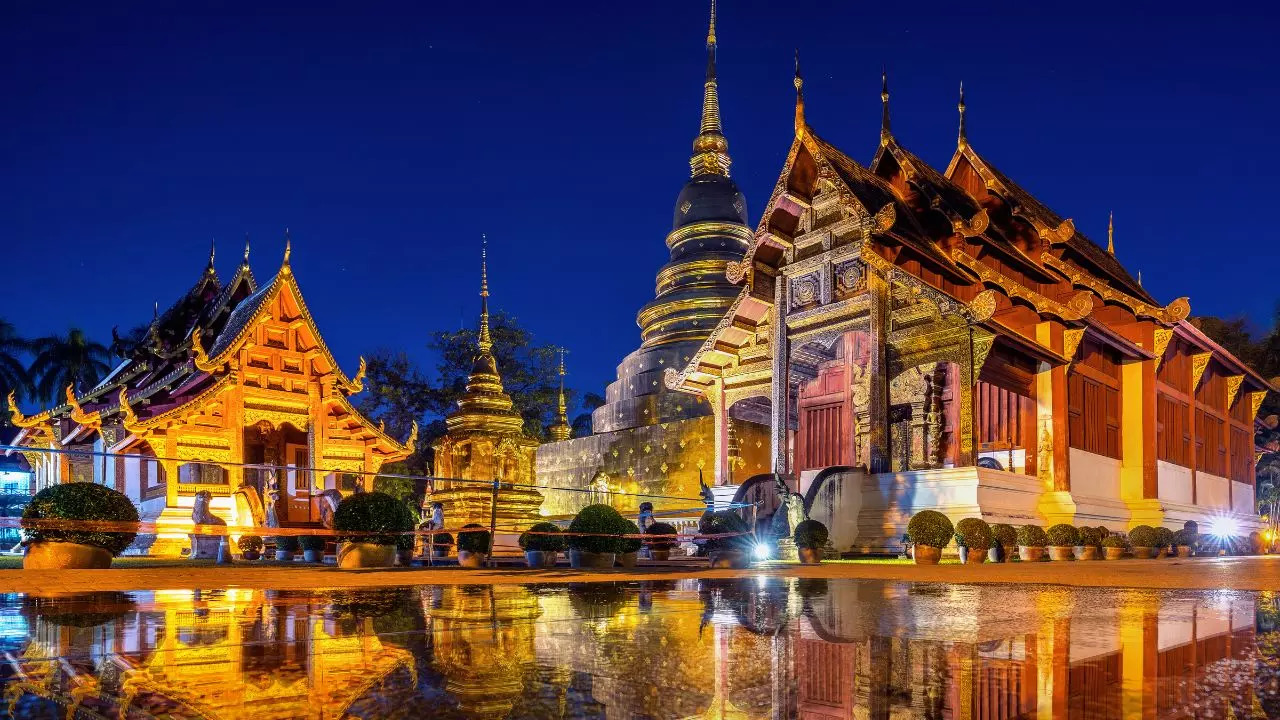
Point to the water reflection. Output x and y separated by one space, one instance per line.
757 648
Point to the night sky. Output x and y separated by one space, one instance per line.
388 137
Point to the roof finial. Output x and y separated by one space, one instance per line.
246 248
288 249
484 342
884 103
1139 278
963 139
799 83
1111 233
710 148
212 247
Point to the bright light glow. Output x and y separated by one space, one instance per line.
1223 527
762 551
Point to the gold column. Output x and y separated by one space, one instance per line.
1138 642
1138 478
878 400
1053 465
720 413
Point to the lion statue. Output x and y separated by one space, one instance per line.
207 546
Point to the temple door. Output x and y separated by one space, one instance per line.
297 484
824 437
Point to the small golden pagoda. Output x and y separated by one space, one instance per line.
561 430
486 442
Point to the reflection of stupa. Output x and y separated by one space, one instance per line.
485 442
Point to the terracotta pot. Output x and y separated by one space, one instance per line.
925 555
354 555
1142 553
535 558
1113 553
809 556
1061 552
997 554
1185 551
439 552
250 554
51 555
1032 553
728 559
468 559
598 561
404 558
975 556
284 556
1162 552
1086 552
627 560
663 554
312 556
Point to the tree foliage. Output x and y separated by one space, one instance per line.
62 360
13 374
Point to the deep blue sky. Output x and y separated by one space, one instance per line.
389 136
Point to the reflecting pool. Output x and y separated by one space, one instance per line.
756 648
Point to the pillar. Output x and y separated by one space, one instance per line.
1139 648
1138 478
1053 464
781 386
876 372
720 416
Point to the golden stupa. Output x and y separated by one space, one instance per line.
486 443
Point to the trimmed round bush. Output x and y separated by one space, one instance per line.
249 543
810 534
372 512
631 544
595 522
473 538
1114 541
286 543
311 542
1164 536
533 539
974 533
1186 538
81 502
441 540
1090 536
1063 535
1102 531
1142 536
930 528
1005 534
661 543
730 524
1032 536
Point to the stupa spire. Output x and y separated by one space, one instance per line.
483 341
561 430
710 148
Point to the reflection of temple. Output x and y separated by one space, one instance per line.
946 341
231 373
646 437
486 442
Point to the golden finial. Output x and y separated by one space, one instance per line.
288 250
1111 233
484 342
1139 278
561 430
710 148
411 444
799 83
356 383
78 415
212 250
200 357
711 31
963 139
15 415
246 248
884 102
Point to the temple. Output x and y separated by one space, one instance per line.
486 444
647 438
231 374
926 339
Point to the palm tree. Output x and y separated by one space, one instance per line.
13 376
72 359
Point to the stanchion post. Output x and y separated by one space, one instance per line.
493 521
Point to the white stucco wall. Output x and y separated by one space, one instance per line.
1213 491
1242 498
1173 482
1094 475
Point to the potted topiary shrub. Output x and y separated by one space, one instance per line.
930 531
1005 539
312 548
1090 544
541 543
730 548
663 541
368 525
440 544
1142 538
250 547
593 537
629 550
286 546
1063 539
473 545
404 549
1184 541
810 538
50 548
1114 547
974 538
1163 540
1031 542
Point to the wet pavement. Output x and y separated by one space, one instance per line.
757 647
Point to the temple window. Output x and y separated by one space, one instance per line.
198 473
1005 410
1211 423
151 478
1093 400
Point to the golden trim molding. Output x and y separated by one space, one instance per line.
1162 338
1199 362
1171 314
1077 308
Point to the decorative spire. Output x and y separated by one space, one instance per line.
710 148
484 342
212 249
246 248
963 139
1111 233
884 103
1139 278
561 430
288 250
799 83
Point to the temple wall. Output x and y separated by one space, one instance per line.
1242 498
658 459
1094 475
1173 482
1213 492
